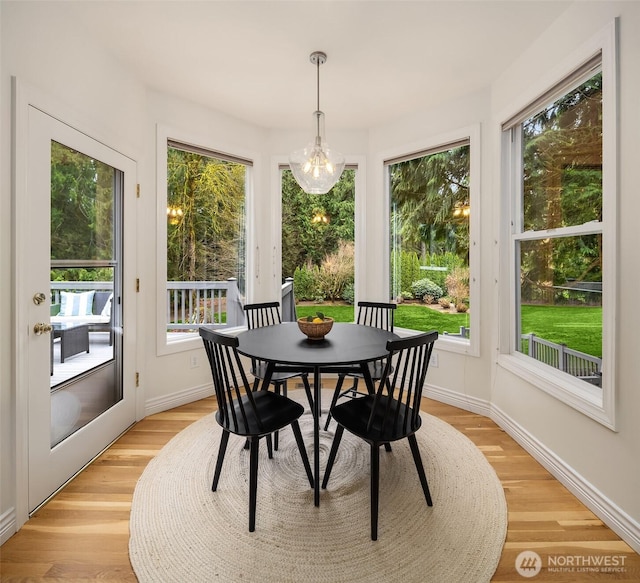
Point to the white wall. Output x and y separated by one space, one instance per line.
42 50
466 376
167 378
96 96
599 465
608 460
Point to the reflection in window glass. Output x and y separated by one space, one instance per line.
429 263
81 206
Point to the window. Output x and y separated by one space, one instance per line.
431 246
318 245
206 238
561 251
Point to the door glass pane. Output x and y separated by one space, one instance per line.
85 380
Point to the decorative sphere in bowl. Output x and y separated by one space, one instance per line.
315 330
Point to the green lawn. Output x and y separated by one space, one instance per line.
412 316
580 328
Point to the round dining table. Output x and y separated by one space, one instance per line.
286 349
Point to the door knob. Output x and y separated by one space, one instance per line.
41 328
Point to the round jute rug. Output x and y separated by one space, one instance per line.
183 532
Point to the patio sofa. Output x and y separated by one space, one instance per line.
92 308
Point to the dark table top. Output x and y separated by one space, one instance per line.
286 344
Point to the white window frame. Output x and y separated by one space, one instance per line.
597 403
164 134
470 134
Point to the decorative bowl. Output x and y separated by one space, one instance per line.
315 330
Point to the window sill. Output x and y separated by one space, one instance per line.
581 396
445 343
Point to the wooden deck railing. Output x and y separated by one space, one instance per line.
194 303
212 303
573 362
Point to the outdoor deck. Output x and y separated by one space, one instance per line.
99 352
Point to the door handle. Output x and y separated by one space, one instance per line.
41 328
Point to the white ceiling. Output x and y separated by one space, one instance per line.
251 59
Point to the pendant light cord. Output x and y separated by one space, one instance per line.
318 97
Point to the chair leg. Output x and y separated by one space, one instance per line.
279 386
269 447
303 452
332 455
307 389
413 442
375 488
224 440
253 482
334 399
354 388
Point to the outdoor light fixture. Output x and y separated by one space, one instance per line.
174 214
321 218
461 210
317 168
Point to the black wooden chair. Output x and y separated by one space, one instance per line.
378 315
268 314
246 413
389 415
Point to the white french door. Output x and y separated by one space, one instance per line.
77 353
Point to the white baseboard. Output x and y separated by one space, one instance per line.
166 402
7 525
460 400
612 515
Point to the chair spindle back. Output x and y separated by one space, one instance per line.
397 400
226 367
376 314
263 314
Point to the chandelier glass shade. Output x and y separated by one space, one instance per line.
316 167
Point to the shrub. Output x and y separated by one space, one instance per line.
349 294
458 285
336 271
305 282
426 287
405 266
449 260
445 303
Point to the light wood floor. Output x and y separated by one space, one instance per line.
82 534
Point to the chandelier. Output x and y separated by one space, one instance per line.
316 167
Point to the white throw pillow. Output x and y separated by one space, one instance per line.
76 304
106 311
